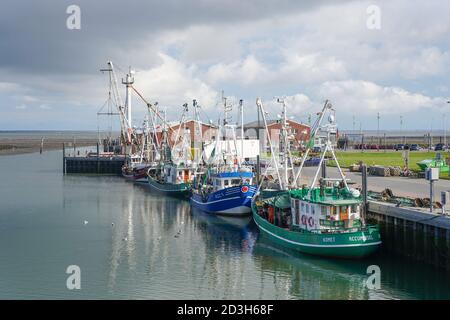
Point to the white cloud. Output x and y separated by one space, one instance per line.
246 71
310 68
326 52
9 87
368 98
173 83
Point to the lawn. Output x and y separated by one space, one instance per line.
388 158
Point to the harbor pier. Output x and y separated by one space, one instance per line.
92 162
413 232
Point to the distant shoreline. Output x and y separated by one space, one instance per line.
13 146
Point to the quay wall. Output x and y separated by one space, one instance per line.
413 233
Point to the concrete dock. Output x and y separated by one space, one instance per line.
92 163
413 232
406 231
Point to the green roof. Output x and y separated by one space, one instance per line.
331 196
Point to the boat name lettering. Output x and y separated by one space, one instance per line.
329 239
359 238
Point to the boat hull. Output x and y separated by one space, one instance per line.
180 190
353 245
138 176
233 201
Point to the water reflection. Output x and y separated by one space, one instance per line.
141 245
172 251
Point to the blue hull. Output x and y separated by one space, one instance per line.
233 201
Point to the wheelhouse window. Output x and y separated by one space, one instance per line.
226 182
235 182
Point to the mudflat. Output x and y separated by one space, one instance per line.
18 145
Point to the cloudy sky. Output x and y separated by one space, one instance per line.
307 51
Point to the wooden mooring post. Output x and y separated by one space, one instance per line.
64 158
41 149
98 158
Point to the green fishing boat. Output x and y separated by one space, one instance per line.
171 179
326 225
433 163
325 220
174 174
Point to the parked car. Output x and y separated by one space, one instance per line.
439 147
399 146
414 147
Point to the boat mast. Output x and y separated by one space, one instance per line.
198 130
125 129
284 142
241 108
328 128
275 162
312 135
129 80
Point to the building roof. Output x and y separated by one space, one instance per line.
254 124
176 123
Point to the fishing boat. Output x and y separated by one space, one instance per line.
225 186
138 163
171 179
227 192
135 171
437 162
175 172
325 220
139 144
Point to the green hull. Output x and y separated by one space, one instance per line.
181 190
344 245
432 163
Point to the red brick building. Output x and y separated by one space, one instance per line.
299 133
209 132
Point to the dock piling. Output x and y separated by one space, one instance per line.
364 189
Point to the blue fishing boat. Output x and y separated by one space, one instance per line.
226 193
225 187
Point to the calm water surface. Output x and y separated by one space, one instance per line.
137 245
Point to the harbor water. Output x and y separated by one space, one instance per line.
132 244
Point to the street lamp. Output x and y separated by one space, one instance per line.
401 129
444 119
